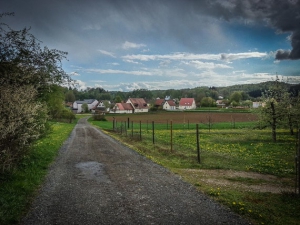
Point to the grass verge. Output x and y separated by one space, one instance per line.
18 189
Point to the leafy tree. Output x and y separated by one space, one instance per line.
85 108
273 112
118 99
27 72
236 97
141 93
208 102
69 96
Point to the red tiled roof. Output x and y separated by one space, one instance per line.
186 101
159 102
124 106
138 103
171 103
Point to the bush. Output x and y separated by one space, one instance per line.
22 121
99 117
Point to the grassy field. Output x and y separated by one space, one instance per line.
18 189
264 189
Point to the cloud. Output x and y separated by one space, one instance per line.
174 56
107 53
74 74
207 65
110 71
80 85
128 45
281 15
245 55
131 61
191 56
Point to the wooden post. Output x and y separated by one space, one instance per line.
153 132
147 126
171 127
298 163
140 130
198 145
128 122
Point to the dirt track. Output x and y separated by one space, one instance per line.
96 180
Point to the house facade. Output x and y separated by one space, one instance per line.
139 105
122 108
169 105
77 105
220 103
187 103
101 108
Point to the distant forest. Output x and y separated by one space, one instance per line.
251 92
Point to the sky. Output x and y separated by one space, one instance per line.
122 45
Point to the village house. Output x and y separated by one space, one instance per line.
122 108
187 103
139 105
101 108
77 105
220 103
159 102
169 105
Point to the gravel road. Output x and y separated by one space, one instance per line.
96 180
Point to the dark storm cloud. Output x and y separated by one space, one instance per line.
282 15
74 21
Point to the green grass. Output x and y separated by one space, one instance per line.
18 189
241 149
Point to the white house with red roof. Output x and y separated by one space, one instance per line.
187 103
139 105
122 108
169 105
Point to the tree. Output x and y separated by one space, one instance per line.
118 99
208 102
85 108
27 72
273 112
69 96
236 97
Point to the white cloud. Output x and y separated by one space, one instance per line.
74 74
80 85
107 53
114 64
191 56
244 55
174 56
110 71
207 65
128 45
131 61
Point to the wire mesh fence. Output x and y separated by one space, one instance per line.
181 139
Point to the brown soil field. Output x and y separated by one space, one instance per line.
185 117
